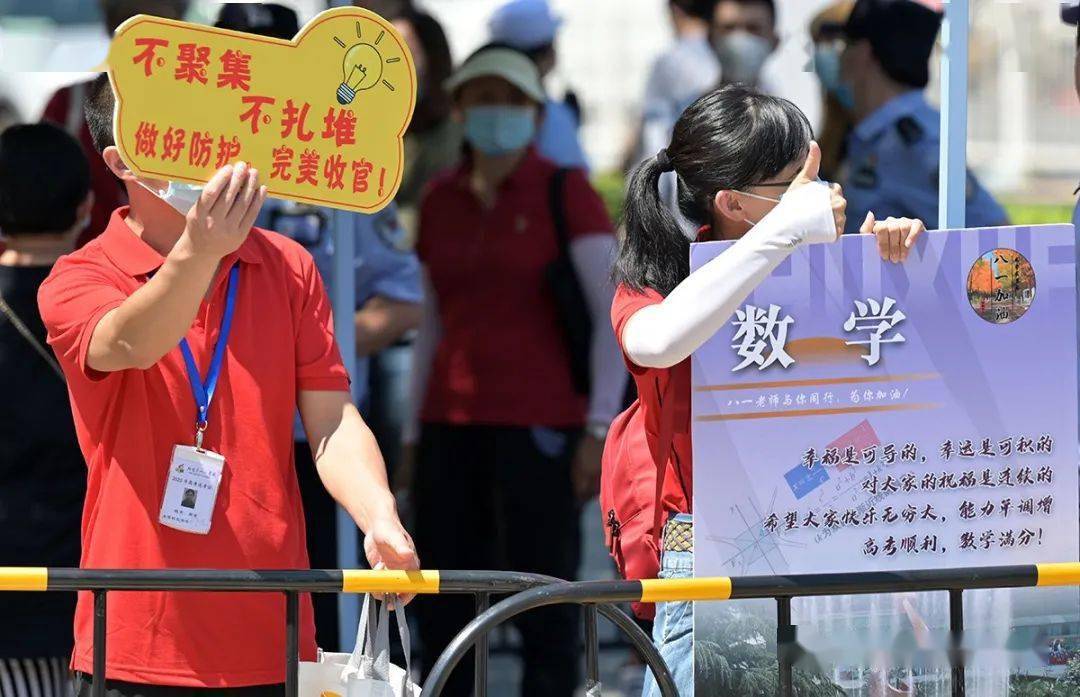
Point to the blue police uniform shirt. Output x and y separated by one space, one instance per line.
557 137
384 265
892 168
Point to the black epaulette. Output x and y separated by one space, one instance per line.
910 131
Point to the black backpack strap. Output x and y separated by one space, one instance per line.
556 187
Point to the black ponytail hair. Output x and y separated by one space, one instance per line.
731 138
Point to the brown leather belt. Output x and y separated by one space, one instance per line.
679 536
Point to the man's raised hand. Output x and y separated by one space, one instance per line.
221 219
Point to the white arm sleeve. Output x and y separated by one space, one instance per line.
592 256
663 335
427 339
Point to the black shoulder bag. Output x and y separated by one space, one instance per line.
570 303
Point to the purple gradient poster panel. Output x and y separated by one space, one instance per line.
860 415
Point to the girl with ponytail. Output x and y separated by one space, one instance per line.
747 170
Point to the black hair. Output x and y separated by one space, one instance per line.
385 8
433 105
771 4
9 115
731 138
98 109
116 12
702 9
265 19
44 177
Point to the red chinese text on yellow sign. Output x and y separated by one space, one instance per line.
322 116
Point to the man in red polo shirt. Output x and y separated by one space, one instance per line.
189 339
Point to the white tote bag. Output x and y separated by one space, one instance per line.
367 671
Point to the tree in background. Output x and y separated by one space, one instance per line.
981 281
1068 685
735 656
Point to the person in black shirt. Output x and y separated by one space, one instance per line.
45 202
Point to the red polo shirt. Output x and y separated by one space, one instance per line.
127 422
635 456
652 383
502 357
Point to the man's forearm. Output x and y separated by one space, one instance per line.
151 322
381 322
353 472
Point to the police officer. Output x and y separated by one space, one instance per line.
1070 14
893 151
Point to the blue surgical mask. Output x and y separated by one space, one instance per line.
498 130
179 195
827 67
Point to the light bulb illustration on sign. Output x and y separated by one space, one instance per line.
362 67
321 116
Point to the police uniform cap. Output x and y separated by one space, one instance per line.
267 19
901 33
1070 12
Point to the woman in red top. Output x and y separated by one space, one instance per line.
508 446
733 151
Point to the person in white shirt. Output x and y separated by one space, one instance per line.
687 69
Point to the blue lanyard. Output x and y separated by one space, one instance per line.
204 393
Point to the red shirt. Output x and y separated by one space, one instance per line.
652 383
128 422
502 357
65 109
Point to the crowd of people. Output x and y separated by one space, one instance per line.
500 315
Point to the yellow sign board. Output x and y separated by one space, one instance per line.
322 116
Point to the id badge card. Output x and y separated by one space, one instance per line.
191 489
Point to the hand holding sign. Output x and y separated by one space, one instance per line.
222 218
895 236
322 115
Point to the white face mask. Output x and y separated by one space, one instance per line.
179 195
757 196
742 55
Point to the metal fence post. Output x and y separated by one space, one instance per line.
292 644
785 643
956 639
343 298
533 591
97 687
480 651
592 650
585 592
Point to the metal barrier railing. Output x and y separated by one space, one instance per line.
534 591
481 584
781 588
